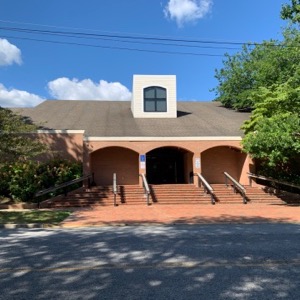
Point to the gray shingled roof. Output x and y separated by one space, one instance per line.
115 119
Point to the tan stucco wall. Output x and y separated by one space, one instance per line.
216 161
64 145
105 157
122 161
223 158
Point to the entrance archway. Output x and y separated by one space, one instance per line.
168 165
221 159
122 161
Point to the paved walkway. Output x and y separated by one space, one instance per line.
183 214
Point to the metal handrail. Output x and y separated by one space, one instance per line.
207 187
63 186
146 188
251 175
115 188
236 186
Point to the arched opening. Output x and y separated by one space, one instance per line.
122 161
221 159
169 165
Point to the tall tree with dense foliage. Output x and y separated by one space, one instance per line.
266 79
291 11
16 143
255 66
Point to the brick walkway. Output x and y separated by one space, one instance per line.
183 214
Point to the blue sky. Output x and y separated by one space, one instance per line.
35 66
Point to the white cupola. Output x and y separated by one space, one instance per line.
154 96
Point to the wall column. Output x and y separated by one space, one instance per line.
142 167
196 166
86 161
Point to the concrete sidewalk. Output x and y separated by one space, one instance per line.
183 214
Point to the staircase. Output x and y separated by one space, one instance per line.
166 194
178 194
226 195
95 196
259 195
98 196
131 195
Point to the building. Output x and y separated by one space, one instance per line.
153 134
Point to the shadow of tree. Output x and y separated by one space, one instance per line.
151 262
64 144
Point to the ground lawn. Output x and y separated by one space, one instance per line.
33 216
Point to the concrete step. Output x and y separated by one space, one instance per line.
162 194
178 194
253 195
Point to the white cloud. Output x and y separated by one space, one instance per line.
186 11
17 98
67 89
9 53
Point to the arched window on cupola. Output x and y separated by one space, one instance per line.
155 99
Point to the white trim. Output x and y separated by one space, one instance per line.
154 139
61 131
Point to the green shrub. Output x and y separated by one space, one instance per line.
21 180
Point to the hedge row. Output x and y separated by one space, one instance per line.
21 180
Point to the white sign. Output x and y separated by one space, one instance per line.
142 165
197 163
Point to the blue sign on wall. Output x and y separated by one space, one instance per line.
142 157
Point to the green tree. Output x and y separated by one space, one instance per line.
277 100
17 141
291 11
266 78
276 145
263 65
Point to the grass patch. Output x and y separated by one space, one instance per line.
33 216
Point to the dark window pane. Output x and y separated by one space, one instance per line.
155 99
149 106
161 93
150 93
161 106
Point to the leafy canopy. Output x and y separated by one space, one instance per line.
265 78
291 11
256 66
16 142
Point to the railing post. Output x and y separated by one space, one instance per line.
226 182
115 199
146 188
115 188
237 187
213 202
206 187
250 180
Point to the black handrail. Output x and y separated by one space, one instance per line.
64 185
146 187
236 186
207 187
251 175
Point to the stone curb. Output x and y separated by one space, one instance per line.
29 226
128 224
